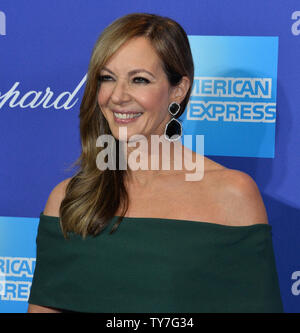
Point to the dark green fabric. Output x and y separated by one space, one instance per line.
157 265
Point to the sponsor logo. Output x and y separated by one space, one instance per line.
232 99
2 24
296 25
15 278
45 99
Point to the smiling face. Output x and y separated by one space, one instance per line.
135 91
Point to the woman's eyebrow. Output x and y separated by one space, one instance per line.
135 71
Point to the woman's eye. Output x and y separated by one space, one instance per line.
141 80
103 78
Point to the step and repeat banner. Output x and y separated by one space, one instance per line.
245 101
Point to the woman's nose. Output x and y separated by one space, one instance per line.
120 93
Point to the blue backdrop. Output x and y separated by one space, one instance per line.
45 47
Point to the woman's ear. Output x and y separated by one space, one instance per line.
180 90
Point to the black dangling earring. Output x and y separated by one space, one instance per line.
173 130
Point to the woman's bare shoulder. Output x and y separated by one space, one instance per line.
55 198
227 177
243 204
235 193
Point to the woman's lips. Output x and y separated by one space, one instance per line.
118 117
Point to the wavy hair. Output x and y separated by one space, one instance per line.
93 196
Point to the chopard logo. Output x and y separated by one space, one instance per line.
2 23
45 99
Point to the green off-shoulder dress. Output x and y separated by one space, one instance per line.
156 265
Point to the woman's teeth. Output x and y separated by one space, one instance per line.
127 116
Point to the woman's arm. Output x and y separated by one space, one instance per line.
51 209
55 198
41 309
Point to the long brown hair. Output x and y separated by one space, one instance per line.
93 196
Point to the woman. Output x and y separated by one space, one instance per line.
144 240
